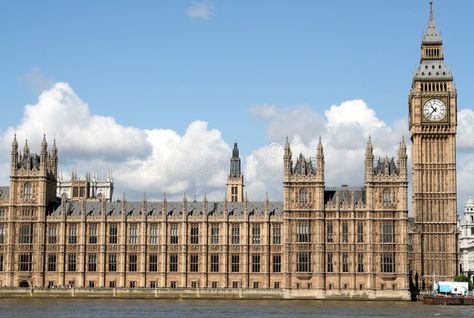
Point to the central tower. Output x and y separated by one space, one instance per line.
432 123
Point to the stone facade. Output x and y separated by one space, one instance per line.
320 240
466 239
432 123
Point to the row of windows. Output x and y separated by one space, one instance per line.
303 263
132 265
133 232
387 234
302 233
387 264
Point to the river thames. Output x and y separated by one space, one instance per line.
206 308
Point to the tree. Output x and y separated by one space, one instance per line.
464 278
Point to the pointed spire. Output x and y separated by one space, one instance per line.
235 165
54 149
320 152
14 145
26 149
431 35
44 145
369 150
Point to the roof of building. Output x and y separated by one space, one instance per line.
345 194
432 34
173 208
433 70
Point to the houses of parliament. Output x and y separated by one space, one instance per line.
319 240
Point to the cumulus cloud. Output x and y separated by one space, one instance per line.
152 161
200 10
465 137
344 129
62 115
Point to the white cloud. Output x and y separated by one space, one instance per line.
161 160
152 161
465 137
36 81
344 129
61 114
200 10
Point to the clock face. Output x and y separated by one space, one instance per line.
434 110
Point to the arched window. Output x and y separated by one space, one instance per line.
303 196
387 197
472 219
27 192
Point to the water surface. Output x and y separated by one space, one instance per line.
229 308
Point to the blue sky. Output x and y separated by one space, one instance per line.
149 64
243 67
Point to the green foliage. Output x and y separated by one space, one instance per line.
464 278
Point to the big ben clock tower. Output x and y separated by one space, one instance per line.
432 123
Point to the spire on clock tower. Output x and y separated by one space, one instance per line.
432 67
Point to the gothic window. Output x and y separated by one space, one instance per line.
256 234
215 234
387 197
24 262
71 262
276 228
173 262
303 196
92 263
2 234
194 234
235 260
51 262
154 263
360 262
387 232
112 262
345 233
93 233
302 232
52 238
360 232
113 233
472 230
388 263
234 194
345 262
154 234
303 262
194 263
27 192
72 235
255 263
133 234
214 263
472 218
330 264
1 262
132 262
277 263
26 234
235 234
174 234
329 233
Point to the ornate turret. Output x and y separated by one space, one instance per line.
320 160
14 154
287 162
402 158
369 160
235 181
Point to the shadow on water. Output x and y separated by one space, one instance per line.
237 308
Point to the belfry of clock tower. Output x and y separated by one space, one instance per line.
432 122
